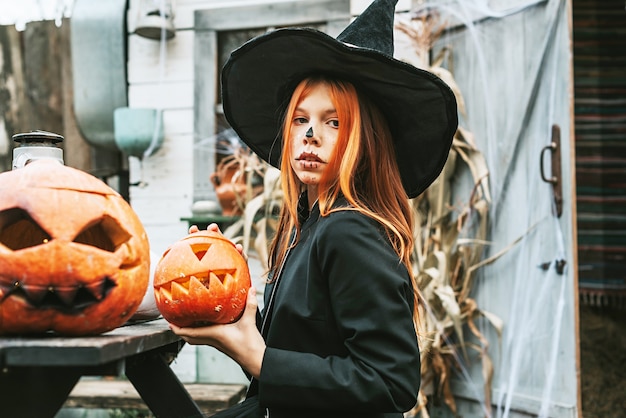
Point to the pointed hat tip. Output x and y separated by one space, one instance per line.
372 29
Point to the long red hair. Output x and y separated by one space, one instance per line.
362 168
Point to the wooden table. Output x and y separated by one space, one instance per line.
38 373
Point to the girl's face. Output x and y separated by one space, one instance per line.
311 152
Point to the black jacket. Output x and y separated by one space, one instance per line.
340 336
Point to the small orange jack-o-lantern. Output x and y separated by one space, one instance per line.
74 257
201 279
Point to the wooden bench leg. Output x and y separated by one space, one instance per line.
27 392
159 386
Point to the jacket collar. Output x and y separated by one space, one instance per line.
303 209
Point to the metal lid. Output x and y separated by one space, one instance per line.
33 137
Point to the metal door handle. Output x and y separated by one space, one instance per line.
556 179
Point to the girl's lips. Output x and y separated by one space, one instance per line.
309 157
309 165
309 161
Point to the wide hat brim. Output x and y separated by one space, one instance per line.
260 76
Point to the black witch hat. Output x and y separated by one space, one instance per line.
260 76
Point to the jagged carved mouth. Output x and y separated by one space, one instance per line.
198 283
74 298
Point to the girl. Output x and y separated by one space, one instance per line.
359 133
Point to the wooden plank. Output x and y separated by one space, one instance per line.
113 394
85 351
185 9
42 72
77 151
9 74
206 93
39 89
12 98
259 15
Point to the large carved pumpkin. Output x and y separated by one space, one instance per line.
201 279
74 257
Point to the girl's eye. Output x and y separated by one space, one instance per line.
300 121
334 123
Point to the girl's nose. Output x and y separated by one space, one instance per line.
309 137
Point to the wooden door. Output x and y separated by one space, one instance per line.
513 65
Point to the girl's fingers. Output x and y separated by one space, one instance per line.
211 227
251 302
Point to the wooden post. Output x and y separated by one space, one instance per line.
78 152
36 91
11 92
42 73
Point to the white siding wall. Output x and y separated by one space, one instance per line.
161 77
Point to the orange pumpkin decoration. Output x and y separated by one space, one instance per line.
201 279
74 257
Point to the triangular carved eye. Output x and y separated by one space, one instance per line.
106 234
18 230
200 249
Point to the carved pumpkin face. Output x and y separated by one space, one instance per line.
74 257
201 279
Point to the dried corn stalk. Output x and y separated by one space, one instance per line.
449 241
259 221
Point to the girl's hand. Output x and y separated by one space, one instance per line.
240 340
215 228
